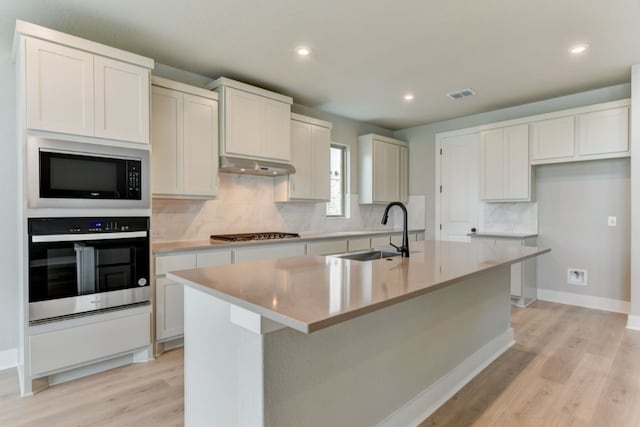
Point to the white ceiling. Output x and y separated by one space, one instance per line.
368 53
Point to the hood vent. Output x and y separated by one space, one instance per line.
254 167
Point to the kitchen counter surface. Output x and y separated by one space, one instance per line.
311 293
161 247
503 235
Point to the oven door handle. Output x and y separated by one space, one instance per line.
88 236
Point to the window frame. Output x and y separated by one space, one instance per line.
345 176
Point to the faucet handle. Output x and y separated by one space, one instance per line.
398 248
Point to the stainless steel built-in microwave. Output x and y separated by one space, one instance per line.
64 174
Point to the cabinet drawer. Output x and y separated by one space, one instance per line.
268 252
381 241
53 351
212 258
359 244
168 263
326 247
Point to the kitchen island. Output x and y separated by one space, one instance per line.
331 341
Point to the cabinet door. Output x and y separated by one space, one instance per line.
553 139
320 162
302 159
121 101
169 309
517 169
276 143
200 146
244 122
386 177
492 164
59 86
404 174
167 142
603 132
359 244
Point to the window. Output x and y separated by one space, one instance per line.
338 173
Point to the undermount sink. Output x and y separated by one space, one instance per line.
369 256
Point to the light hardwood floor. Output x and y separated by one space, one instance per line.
570 367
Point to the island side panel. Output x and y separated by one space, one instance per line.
223 369
358 373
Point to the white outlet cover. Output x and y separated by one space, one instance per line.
576 276
612 221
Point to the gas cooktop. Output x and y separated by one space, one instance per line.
244 237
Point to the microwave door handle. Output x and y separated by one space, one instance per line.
85 268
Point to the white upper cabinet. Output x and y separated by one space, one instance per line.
73 86
603 132
184 139
254 123
598 131
310 151
384 169
553 139
59 88
505 174
121 100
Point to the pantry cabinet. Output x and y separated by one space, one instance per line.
72 91
384 169
254 123
505 174
310 150
184 141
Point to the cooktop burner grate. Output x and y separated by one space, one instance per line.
244 237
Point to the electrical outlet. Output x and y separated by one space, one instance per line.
157 235
612 221
577 277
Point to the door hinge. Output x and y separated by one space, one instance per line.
440 226
441 189
441 151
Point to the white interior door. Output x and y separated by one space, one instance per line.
459 192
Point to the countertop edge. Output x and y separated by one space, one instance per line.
311 327
194 245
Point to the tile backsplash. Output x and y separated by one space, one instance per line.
509 217
245 204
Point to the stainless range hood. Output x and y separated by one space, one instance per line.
254 167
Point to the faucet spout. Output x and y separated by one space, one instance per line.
404 248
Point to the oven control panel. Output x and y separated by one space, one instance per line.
46 226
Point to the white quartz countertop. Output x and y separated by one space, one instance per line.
161 247
309 293
503 235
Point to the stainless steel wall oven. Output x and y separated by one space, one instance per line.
83 265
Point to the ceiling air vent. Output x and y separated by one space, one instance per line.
461 93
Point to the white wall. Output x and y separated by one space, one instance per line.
609 179
8 208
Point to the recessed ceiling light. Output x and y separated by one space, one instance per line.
578 48
409 97
303 50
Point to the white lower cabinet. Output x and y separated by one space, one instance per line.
63 349
169 302
523 274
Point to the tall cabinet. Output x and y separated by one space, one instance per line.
384 169
184 138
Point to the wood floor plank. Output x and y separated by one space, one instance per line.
570 367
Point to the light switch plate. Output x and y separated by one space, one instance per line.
612 221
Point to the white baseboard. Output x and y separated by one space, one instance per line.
588 301
428 401
633 322
8 359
